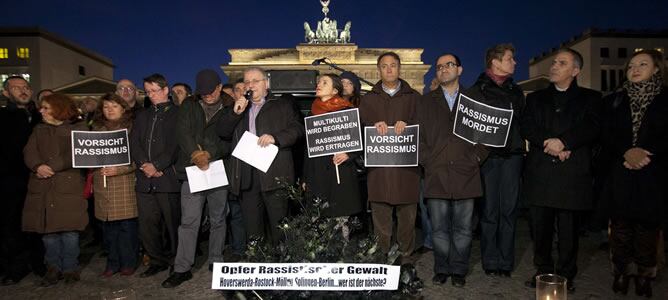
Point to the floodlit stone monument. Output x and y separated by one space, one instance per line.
328 41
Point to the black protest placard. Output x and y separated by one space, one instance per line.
94 149
334 132
480 123
391 150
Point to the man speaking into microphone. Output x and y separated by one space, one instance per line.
275 121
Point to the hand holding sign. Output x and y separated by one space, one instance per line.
339 158
109 171
381 127
399 127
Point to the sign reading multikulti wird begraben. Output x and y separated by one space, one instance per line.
95 149
390 149
334 132
479 123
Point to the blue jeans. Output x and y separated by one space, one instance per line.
501 181
122 244
452 225
427 239
62 250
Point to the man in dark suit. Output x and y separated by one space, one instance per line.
561 123
275 121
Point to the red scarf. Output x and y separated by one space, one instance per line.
333 104
498 79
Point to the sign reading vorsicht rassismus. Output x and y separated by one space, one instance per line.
95 149
390 149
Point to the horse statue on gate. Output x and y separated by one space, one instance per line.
345 34
309 35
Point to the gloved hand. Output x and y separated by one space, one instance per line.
201 159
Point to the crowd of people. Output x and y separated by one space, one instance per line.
568 151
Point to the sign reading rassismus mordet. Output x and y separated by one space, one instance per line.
333 132
479 123
96 149
390 149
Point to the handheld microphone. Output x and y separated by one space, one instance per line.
318 61
248 95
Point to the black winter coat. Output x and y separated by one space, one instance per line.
573 117
638 195
16 125
508 96
278 117
451 164
192 130
344 199
152 140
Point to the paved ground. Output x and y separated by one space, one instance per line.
593 281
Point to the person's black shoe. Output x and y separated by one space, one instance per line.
152 270
643 286
531 283
621 284
491 273
458 280
176 279
12 279
570 286
504 273
439 278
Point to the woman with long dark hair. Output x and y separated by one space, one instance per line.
635 138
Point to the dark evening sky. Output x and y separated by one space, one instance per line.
177 38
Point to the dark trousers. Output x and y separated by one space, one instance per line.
237 231
633 244
19 251
383 224
451 221
501 180
262 208
155 211
543 220
121 242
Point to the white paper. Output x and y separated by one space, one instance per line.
213 177
251 153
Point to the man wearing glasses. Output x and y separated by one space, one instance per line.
275 121
128 91
154 151
18 250
452 174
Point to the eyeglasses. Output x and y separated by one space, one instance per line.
24 88
149 92
447 65
254 81
126 89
